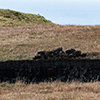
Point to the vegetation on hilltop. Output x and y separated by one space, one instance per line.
13 18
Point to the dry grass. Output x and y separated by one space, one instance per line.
22 42
50 91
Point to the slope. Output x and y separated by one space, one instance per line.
13 18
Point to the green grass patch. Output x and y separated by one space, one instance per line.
13 18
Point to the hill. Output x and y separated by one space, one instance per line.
22 35
13 18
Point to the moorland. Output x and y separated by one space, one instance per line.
22 35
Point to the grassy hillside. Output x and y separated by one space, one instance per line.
13 18
22 35
22 42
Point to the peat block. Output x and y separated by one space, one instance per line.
50 66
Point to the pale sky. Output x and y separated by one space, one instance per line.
79 12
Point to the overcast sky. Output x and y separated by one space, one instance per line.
78 12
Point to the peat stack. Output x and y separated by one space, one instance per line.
58 53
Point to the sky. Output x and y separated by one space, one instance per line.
70 12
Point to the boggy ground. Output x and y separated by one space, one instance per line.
22 42
50 91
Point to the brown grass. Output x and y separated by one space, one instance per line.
22 42
50 91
